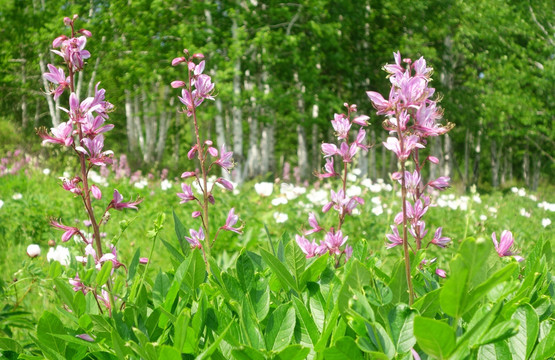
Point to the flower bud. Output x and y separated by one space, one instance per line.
51 243
178 61
85 32
213 151
188 174
433 159
186 52
195 214
33 250
143 260
67 21
58 41
198 56
177 84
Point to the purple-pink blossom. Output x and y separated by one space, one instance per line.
61 134
314 226
225 161
57 76
310 249
439 240
196 238
394 238
334 240
69 231
231 220
118 204
186 195
504 247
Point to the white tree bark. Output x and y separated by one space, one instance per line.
237 114
302 153
373 165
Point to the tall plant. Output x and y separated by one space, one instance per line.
83 133
197 88
413 116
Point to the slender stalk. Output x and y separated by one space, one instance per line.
405 236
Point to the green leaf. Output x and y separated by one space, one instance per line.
104 273
196 271
181 326
499 350
306 320
434 337
173 251
280 327
379 295
48 325
380 338
493 280
287 281
214 345
296 261
118 344
523 343
65 292
160 288
500 332
314 270
245 271
546 347
247 353
181 232
358 277
401 323
293 352
344 348
428 305
7 344
250 327
134 264
260 299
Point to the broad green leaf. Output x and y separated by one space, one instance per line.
168 353
296 261
287 281
245 271
280 327
181 232
207 353
196 271
380 294
293 352
133 265
344 348
160 288
428 305
250 328
328 328
522 344
118 344
381 339
546 347
7 344
180 332
493 280
306 320
401 322
314 270
247 353
499 350
65 292
48 325
500 332
173 251
434 337
398 283
260 299
357 277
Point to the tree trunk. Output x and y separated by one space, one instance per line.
384 157
237 114
467 142
302 153
536 175
526 166
448 156
131 138
163 128
494 164
476 167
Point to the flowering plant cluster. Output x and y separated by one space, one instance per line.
83 132
413 116
195 90
346 150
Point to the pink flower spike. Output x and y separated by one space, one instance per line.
178 61
441 273
178 84
439 240
186 195
226 184
118 204
69 231
96 192
231 220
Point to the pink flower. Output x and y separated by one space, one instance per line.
186 195
77 284
225 160
505 244
68 230
96 192
190 100
85 337
348 152
177 84
334 240
441 183
341 125
143 260
315 227
95 153
204 86
410 143
71 185
441 273
361 120
439 240
188 174
379 103
73 51
178 61
196 238
226 184
418 230
118 204
61 134
329 149
93 125
329 170
232 220
57 76
394 238
310 249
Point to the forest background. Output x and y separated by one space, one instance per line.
282 69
